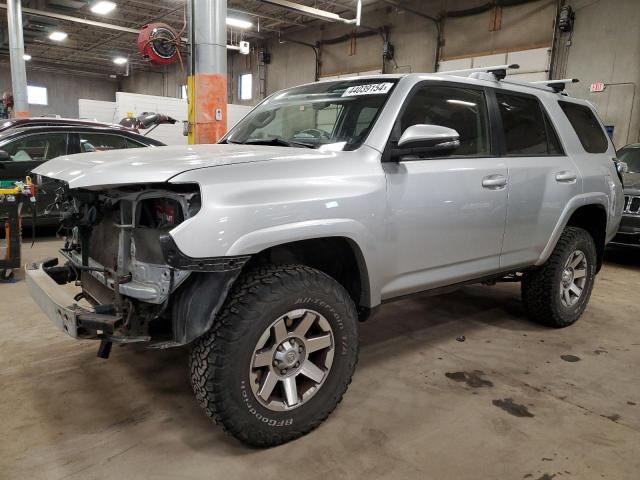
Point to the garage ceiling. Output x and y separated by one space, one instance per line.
91 49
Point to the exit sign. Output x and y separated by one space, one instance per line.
596 87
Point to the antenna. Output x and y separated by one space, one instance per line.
498 71
557 85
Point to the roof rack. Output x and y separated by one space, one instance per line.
498 71
557 85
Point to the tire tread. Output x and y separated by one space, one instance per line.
210 353
539 286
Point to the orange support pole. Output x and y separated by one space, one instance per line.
210 107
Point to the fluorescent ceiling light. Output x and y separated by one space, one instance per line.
58 36
27 57
239 23
317 13
119 60
103 7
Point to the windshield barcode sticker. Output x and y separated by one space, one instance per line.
370 89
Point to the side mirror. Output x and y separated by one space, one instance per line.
420 140
430 138
622 167
4 156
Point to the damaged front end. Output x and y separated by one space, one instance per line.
137 286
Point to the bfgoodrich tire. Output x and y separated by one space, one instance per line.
279 357
557 293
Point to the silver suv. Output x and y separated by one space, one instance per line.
263 252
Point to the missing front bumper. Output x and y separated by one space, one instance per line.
62 308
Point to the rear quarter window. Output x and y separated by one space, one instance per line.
586 126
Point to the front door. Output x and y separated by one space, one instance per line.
28 152
446 215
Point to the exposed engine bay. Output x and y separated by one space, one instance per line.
119 251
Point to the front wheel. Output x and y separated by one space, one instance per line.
279 356
557 293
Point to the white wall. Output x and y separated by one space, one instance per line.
134 104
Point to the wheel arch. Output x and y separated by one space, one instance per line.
592 218
340 257
588 213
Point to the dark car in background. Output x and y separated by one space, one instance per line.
629 233
23 148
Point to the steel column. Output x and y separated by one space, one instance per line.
16 55
207 84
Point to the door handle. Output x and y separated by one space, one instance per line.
566 176
494 182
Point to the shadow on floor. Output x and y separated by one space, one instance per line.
139 385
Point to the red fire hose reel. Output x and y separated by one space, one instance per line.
159 43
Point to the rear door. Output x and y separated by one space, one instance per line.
542 178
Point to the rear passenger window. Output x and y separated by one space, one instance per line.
100 142
587 127
132 144
527 128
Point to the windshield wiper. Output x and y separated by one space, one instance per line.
277 141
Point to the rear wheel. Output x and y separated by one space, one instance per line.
279 356
557 293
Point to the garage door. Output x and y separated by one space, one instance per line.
534 63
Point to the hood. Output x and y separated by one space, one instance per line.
158 164
631 181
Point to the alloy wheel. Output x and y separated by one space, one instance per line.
292 360
573 278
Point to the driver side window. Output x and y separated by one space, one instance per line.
462 109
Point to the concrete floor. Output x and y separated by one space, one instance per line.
503 404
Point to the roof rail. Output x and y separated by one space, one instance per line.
557 85
498 71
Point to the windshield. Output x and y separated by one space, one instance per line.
328 116
631 156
